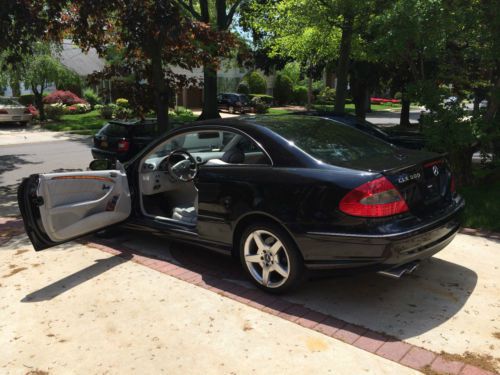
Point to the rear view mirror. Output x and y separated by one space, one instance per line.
102 165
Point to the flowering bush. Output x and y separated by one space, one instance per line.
63 97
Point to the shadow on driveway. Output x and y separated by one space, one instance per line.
55 289
403 308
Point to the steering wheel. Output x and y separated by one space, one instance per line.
182 166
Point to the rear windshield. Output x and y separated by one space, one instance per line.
8 101
114 130
327 140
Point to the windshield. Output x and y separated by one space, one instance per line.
9 101
327 140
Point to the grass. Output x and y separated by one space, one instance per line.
482 206
84 123
278 111
89 123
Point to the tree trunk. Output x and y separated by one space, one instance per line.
210 110
343 65
404 119
161 93
309 93
461 163
491 116
39 103
15 85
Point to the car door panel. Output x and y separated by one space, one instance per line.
64 206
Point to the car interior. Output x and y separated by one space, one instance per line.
166 175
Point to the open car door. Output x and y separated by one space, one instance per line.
59 207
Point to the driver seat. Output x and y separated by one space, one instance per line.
187 214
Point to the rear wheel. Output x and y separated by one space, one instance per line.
270 258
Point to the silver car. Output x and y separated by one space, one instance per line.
13 111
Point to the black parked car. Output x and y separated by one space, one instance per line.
413 140
233 103
285 194
123 139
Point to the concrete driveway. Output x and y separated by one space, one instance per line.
76 310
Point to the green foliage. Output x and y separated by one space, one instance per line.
398 95
106 111
259 105
256 82
299 95
326 96
54 111
243 88
67 80
122 102
91 97
292 70
268 99
183 111
283 89
27 99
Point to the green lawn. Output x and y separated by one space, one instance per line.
482 206
276 111
85 123
89 123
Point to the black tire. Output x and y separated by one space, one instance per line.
296 270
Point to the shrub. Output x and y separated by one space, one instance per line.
63 97
283 89
54 111
398 95
256 82
243 88
106 111
122 112
27 99
122 102
182 111
91 97
259 105
326 96
268 99
299 95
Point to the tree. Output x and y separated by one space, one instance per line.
220 19
40 71
314 33
153 34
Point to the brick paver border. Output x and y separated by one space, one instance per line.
379 344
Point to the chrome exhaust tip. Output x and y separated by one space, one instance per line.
398 271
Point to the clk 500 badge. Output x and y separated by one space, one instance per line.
408 177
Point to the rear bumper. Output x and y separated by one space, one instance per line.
101 154
15 118
384 251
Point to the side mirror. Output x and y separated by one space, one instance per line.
102 165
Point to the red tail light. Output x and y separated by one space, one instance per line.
453 187
3 112
377 198
123 145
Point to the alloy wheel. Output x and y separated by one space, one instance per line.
266 258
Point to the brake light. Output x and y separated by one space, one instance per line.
123 145
453 187
377 198
3 112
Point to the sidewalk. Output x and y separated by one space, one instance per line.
20 135
75 309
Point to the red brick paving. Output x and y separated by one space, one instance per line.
197 274
418 358
446 367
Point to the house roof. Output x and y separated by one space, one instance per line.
81 62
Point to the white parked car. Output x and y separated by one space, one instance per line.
13 111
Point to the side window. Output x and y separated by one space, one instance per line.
216 147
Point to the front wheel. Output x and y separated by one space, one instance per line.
270 258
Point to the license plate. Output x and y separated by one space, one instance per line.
104 144
16 118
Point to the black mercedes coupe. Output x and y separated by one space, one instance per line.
285 194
